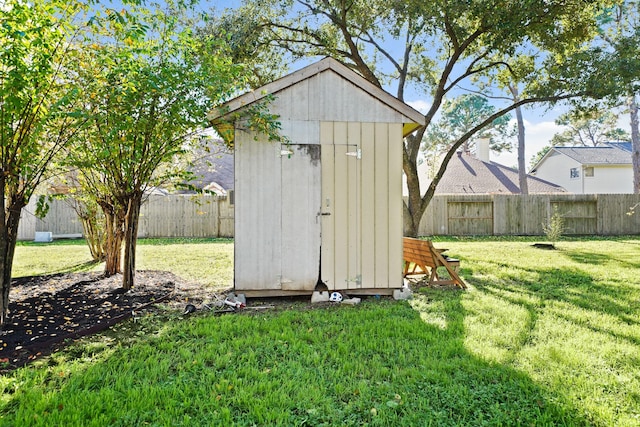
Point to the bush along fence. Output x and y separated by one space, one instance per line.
456 215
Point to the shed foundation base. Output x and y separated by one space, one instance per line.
254 293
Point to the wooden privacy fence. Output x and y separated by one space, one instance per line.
601 214
161 216
212 216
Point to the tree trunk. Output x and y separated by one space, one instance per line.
8 238
131 238
635 142
95 238
412 208
522 166
114 234
94 233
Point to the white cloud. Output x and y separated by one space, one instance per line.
420 105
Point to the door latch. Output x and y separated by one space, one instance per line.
357 154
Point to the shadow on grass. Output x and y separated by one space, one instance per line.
77 268
599 259
182 240
572 287
379 363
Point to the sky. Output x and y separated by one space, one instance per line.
539 122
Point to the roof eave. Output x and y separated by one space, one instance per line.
222 113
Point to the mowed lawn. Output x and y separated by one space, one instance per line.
540 338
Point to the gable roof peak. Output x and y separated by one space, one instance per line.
218 115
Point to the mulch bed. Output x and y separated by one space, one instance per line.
45 312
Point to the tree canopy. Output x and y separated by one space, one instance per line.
434 48
148 89
619 37
589 128
39 106
461 114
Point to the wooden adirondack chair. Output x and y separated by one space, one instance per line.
420 257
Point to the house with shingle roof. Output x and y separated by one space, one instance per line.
605 169
469 173
212 169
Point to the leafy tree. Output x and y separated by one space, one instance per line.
539 155
148 89
590 128
507 80
462 114
434 46
38 107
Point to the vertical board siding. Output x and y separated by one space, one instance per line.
381 206
300 227
258 215
354 189
368 172
327 256
395 206
340 200
362 239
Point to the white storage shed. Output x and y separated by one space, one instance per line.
326 207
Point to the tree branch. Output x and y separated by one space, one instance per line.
464 138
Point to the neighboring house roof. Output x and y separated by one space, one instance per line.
611 153
466 174
621 145
213 168
605 154
219 116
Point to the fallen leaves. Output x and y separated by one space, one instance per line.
47 309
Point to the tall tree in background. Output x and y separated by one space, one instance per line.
148 89
522 171
433 46
459 116
620 36
588 128
38 107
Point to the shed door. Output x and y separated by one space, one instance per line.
341 244
277 235
300 226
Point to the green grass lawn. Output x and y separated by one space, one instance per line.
540 338
207 261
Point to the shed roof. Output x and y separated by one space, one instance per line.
465 174
415 118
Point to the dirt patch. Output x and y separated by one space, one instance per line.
47 311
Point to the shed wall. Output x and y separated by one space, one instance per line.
258 214
311 101
354 202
